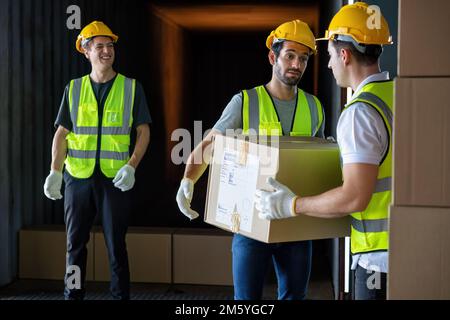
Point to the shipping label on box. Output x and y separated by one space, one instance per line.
308 166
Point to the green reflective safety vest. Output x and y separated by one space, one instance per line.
369 228
115 128
260 116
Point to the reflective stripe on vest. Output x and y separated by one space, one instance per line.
370 227
115 130
377 225
83 154
259 114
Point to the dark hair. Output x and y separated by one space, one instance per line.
370 57
278 45
276 48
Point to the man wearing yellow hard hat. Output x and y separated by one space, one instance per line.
364 135
277 108
94 123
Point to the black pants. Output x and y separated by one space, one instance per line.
369 285
83 199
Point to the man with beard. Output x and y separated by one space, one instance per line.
95 119
276 108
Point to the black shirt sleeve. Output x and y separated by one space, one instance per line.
141 114
63 117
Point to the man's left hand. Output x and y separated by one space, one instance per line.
124 179
278 204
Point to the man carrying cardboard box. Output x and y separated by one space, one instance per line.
277 108
364 135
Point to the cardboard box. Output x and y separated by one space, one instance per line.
419 254
202 256
422 142
308 166
423 28
42 253
149 255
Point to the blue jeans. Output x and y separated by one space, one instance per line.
368 289
251 258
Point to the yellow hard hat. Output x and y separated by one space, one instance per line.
356 21
93 29
295 30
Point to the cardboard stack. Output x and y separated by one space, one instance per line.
419 260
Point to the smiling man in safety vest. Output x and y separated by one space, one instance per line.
96 116
364 135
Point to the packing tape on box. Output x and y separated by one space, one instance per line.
235 220
243 152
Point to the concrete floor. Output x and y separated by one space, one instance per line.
52 290
320 287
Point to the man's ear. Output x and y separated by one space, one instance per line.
272 57
85 52
346 56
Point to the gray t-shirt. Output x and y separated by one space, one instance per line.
232 115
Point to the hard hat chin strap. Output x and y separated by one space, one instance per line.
85 42
362 48
277 40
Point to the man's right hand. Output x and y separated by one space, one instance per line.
52 186
184 197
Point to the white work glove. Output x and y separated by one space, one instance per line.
52 185
124 179
184 197
276 204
